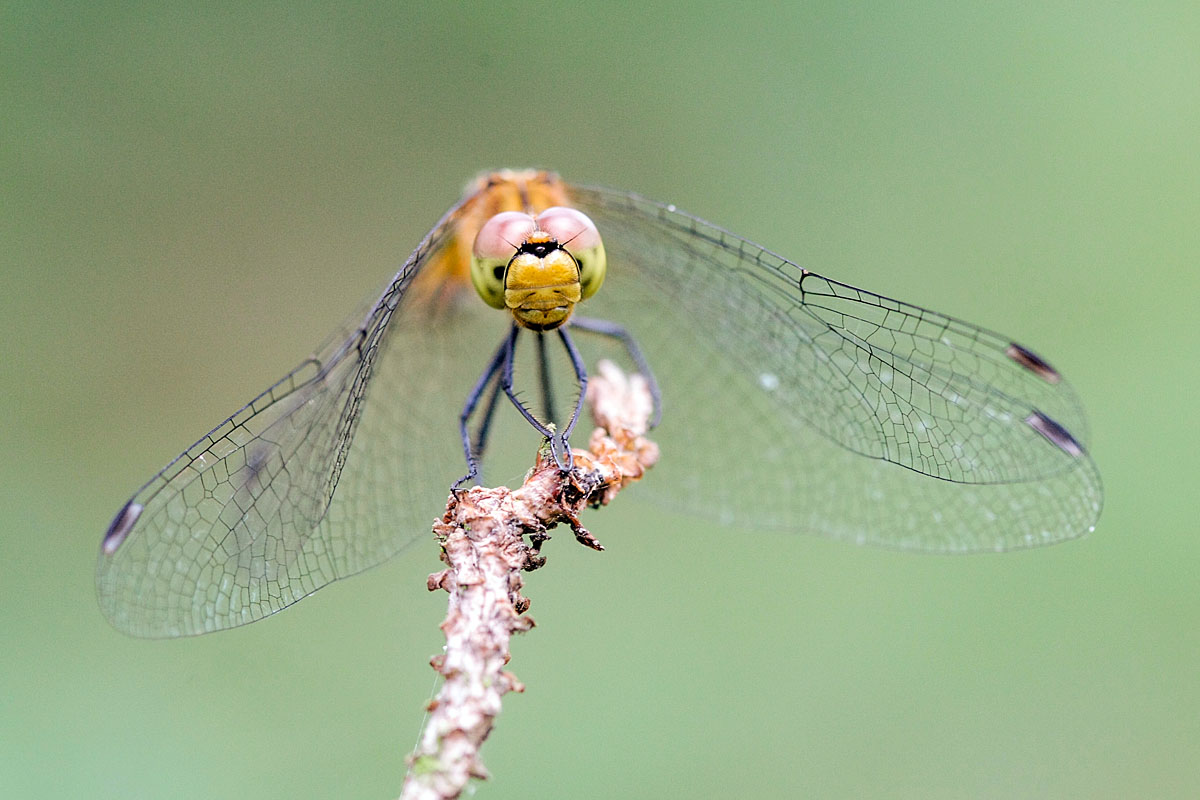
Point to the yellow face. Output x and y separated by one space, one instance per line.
538 267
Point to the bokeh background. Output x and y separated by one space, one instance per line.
193 195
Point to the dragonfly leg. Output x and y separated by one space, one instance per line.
612 330
506 384
544 377
489 413
581 378
489 373
500 370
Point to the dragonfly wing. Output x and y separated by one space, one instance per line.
247 520
794 401
791 401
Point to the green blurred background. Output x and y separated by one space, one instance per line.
193 197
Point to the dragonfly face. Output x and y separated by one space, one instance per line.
538 267
789 401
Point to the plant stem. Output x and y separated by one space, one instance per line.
482 535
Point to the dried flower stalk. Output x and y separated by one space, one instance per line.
483 544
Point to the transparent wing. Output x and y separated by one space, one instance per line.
247 520
790 401
794 401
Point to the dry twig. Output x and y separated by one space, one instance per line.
482 537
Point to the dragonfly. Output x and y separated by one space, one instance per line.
785 401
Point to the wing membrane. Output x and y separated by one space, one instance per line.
804 403
275 502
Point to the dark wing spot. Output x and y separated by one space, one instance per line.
120 527
1033 362
1056 434
255 465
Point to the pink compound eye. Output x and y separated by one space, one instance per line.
572 229
503 234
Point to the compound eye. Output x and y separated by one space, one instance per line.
577 234
495 245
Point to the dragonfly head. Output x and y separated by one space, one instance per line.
538 267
